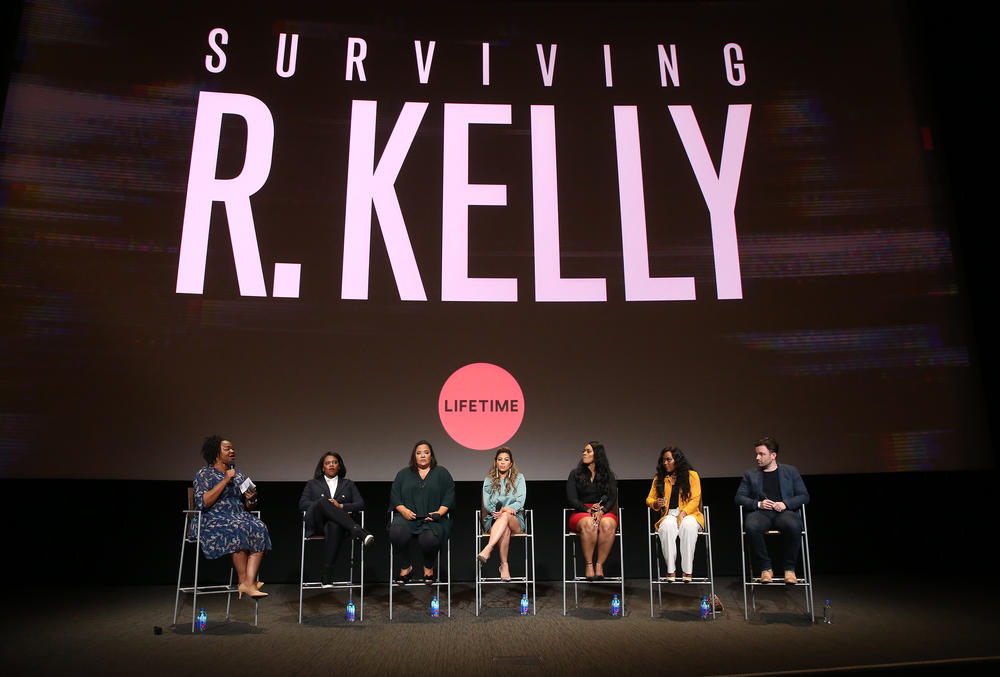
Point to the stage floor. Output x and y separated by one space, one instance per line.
933 625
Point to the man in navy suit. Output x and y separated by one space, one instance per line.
771 495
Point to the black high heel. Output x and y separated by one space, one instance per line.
589 578
403 579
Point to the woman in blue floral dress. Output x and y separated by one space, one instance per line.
227 528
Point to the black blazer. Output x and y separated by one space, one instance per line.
793 490
318 490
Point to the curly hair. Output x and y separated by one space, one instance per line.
682 469
602 469
319 474
210 448
494 474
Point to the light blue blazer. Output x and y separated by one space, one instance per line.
514 499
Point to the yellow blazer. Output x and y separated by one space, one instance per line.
692 506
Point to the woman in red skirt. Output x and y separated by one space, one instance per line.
592 491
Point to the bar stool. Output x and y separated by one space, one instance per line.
348 584
752 583
528 536
660 580
576 580
192 536
437 585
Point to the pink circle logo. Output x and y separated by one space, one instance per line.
481 406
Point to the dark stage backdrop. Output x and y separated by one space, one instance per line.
890 536
312 226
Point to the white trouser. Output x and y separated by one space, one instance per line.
668 533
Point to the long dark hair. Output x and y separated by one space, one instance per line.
602 469
682 468
413 455
210 448
319 474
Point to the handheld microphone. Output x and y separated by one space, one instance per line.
231 466
499 507
601 500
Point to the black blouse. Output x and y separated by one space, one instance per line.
591 492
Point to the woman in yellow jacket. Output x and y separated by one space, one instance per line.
676 494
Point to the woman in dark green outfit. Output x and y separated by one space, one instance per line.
422 495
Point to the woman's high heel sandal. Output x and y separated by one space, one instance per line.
589 578
502 577
250 591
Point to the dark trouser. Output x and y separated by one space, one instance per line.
790 526
402 542
335 524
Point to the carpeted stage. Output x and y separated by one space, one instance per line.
932 625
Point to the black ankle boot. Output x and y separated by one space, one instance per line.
327 578
362 535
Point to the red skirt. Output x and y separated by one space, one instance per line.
574 518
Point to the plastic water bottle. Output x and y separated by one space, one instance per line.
435 607
827 613
350 611
202 620
704 608
524 604
616 606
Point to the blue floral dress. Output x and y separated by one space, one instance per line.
226 526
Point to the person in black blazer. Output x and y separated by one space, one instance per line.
328 499
771 496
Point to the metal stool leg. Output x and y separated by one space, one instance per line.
621 558
650 547
534 605
711 567
361 574
180 571
194 598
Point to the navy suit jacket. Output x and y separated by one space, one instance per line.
793 489
317 490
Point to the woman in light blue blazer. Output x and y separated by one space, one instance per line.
503 507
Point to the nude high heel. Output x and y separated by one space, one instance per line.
250 591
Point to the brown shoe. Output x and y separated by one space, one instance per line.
790 578
766 576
